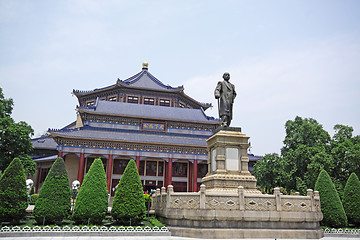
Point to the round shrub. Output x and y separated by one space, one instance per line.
92 199
54 203
13 195
331 206
129 206
351 199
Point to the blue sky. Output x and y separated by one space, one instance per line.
286 58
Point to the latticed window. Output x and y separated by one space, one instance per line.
113 98
165 102
90 103
149 101
132 99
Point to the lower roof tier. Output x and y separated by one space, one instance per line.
129 136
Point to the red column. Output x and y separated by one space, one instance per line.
109 172
195 185
60 153
190 177
169 174
137 160
80 175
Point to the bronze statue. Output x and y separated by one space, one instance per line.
225 93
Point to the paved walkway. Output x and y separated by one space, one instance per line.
145 238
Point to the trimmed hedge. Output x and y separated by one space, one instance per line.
331 206
92 200
13 194
351 199
129 206
54 203
33 198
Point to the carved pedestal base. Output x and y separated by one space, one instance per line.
230 183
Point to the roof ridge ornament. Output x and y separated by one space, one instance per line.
145 66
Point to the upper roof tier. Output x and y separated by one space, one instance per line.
148 112
143 80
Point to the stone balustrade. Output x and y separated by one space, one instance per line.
235 201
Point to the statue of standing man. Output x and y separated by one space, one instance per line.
225 93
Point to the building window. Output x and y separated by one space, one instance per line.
179 169
164 102
132 99
181 105
149 101
120 165
113 99
90 103
202 170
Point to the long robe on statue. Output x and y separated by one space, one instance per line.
227 94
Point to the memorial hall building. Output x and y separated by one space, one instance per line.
158 126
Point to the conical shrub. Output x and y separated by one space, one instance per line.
54 203
351 199
129 206
13 195
331 206
92 200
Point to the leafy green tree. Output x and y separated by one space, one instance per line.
269 172
129 205
14 137
305 152
54 203
351 200
92 200
345 149
331 206
13 195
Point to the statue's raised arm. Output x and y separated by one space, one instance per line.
225 93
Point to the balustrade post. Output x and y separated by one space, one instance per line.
277 199
310 194
170 191
202 196
241 197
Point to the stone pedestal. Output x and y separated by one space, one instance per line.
228 162
228 204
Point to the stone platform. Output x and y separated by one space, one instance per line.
228 215
229 205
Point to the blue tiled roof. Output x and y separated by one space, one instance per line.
132 136
45 142
149 112
253 157
146 80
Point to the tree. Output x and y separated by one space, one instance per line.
92 200
351 199
14 137
331 206
269 172
54 198
13 195
345 149
129 205
305 152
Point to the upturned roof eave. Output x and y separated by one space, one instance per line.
79 93
200 104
